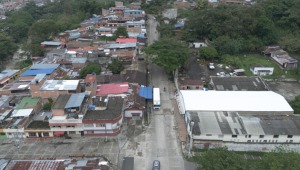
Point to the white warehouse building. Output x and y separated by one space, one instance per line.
219 118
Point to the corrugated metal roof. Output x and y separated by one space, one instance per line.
123 45
55 43
38 78
146 92
75 100
43 66
36 72
60 85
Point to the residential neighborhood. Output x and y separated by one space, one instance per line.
126 89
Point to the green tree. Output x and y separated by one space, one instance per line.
116 66
296 105
226 45
168 53
121 32
7 46
43 30
280 159
208 53
89 69
220 159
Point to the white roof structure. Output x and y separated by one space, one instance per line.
60 85
235 101
22 113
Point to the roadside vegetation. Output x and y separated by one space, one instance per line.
222 158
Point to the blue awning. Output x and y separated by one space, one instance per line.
146 92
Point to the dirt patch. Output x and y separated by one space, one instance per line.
289 90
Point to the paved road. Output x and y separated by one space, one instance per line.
159 142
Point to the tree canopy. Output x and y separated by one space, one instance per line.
116 66
296 105
7 46
222 158
121 32
208 53
168 53
89 69
234 29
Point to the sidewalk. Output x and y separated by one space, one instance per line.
182 132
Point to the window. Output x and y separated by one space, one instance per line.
208 134
261 136
88 125
234 136
72 132
45 134
135 114
249 136
245 136
290 136
32 134
2 134
248 141
100 125
291 141
275 136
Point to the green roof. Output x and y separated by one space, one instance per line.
28 102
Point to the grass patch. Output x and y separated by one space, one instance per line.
247 61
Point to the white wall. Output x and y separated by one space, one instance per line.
128 113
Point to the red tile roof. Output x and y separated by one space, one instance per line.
90 78
126 40
116 88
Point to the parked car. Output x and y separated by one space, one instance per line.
211 66
156 165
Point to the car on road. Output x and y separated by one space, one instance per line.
156 165
211 66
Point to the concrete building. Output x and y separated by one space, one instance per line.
239 83
35 69
34 103
68 111
39 127
7 76
104 118
53 88
216 118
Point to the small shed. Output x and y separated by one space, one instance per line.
260 70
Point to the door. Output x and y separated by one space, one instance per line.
40 134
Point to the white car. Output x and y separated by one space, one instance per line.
211 66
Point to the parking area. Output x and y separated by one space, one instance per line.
60 148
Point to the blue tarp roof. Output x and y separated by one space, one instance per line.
146 92
35 72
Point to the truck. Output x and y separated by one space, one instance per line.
156 98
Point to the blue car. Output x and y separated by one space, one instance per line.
156 165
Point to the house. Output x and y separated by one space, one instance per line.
131 76
240 83
53 88
78 62
284 59
15 88
190 84
7 76
34 103
78 163
104 118
90 82
131 13
50 45
39 127
4 121
126 40
68 111
199 44
134 104
281 57
16 123
125 52
35 69
112 89
56 53
260 70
